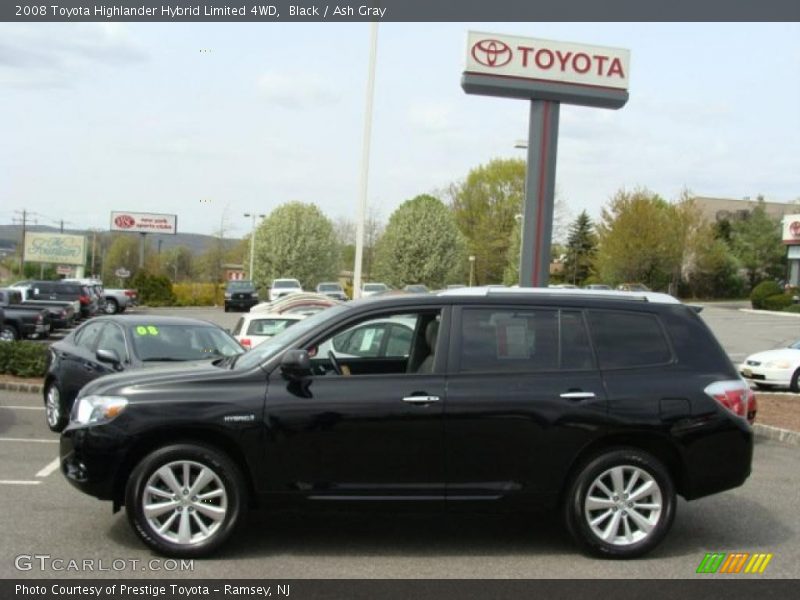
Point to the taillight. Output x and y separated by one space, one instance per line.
734 394
130 293
245 343
39 318
752 407
83 299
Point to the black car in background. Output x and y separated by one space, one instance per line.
240 295
57 290
107 345
602 405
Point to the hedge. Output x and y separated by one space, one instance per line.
23 359
794 308
196 294
777 302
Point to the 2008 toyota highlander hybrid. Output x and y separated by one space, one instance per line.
604 405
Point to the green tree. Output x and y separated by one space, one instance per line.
484 206
296 240
176 263
638 241
122 253
756 243
581 248
421 244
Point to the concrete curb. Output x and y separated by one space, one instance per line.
21 386
776 313
776 434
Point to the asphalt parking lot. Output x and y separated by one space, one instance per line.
43 515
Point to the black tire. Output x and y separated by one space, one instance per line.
57 415
227 308
794 384
8 333
577 515
229 476
111 307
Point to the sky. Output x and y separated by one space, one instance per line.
211 120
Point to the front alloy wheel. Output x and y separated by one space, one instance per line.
620 504
185 500
54 408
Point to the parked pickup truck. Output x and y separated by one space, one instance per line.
117 300
21 321
62 314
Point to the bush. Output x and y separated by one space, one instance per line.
794 308
764 290
154 290
23 359
778 302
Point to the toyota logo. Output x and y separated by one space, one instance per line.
124 221
491 53
794 229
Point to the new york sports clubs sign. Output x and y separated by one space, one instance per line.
547 60
144 222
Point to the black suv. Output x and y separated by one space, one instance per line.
604 405
56 290
240 295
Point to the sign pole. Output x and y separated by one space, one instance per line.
540 178
141 249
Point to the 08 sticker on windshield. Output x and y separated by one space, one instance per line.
146 330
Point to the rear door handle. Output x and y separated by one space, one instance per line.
421 399
578 395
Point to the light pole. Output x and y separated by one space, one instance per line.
471 269
252 242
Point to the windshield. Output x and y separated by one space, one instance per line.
286 338
286 283
374 287
330 287
181 342
240 285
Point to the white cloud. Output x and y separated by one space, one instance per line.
57 55
431 116
295 91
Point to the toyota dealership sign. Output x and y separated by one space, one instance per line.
547 60
144 222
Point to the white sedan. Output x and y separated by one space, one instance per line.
254 328
774 368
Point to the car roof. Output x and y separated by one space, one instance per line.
550 295
126 320
271 315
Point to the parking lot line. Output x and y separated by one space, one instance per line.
4 439
23 407
52 466
18 482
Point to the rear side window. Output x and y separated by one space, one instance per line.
500 340
628 339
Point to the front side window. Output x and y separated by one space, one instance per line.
628 339
391 343
112 338
87 335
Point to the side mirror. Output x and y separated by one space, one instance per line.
296 364
109 356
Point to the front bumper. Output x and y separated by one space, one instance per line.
242 303
90 458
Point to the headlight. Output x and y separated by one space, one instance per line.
227 295
778 364
97 409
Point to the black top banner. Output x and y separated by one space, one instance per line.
398 10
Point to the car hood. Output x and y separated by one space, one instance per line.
153 376
789 354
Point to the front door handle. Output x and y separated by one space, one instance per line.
421 399
578 395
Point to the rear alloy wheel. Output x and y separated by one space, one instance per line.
111 307
54 408
185 500
621 504
8 333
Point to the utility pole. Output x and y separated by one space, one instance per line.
24 220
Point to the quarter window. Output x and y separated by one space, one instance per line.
628 339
